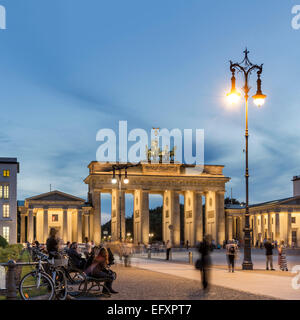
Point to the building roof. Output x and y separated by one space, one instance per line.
10 161
283 201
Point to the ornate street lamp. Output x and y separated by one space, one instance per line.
246 68
116 180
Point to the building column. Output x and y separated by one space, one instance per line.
283 226
65 226
269 225
97 217
193 226
45 223
115 214
254 231
171 217
23 231
137 228
229 228
79 225
211 218
86 226
145 216
30 226
289 229
262 220
277 227
220 214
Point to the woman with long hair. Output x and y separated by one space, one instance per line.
282 257
99 269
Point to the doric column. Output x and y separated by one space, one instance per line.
262 221
229 227
171 217
97 217
23 231
79 225
30 226
254 231
220 213
116 202
210 215
86 226
137 226
145 216
277 227
282 226
193 225
65 226
45 223
269 225
289 229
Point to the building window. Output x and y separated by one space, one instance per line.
258 222
293 219
6 192
6 173
6 233
55 218
6 211
272 220
1 192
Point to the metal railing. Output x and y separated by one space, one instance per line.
11 287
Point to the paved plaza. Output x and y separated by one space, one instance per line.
139 284
276 284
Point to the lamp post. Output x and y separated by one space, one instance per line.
118 180
114 180
246 68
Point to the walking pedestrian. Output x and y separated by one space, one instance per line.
187 244
231 251
282 257
203 264
269 254
168 247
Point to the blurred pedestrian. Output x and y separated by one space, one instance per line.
231 251
168 249
204 262
269 254
282 257
187 244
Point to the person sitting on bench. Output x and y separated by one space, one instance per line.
76 257
99 269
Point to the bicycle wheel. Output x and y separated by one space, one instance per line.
60 287
36 286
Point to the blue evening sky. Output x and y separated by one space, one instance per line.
69 68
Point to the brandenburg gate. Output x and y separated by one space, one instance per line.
170 180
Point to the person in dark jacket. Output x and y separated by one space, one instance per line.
99 269
52 243
269 254
203 264
76 257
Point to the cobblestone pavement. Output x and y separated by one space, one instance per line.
138 284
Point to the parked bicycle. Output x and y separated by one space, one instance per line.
47 282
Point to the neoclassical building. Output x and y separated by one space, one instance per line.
276 220
68 214
75 219
170 181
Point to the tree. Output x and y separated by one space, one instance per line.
3 242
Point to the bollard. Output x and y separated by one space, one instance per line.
190 257
11 281
149 253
